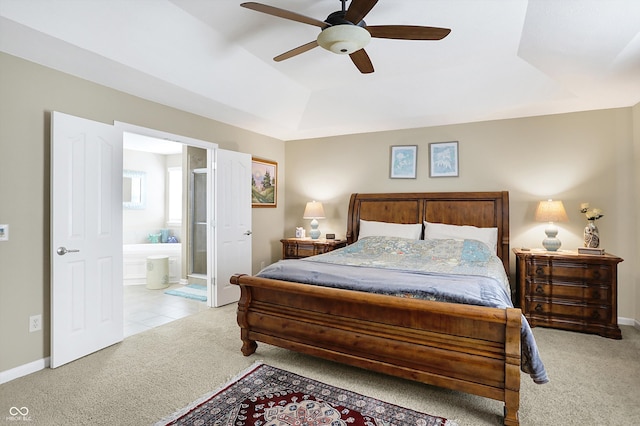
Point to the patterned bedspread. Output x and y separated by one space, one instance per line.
453 271
459 257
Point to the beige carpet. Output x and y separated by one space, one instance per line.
594 380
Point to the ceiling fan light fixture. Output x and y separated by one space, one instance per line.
344 39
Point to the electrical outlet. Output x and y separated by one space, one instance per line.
35 323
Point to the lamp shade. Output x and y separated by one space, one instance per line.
551 211
344 39
313 210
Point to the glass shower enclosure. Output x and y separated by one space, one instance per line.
198 265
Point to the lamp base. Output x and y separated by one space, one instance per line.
551 243
315 232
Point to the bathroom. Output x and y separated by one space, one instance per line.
157 195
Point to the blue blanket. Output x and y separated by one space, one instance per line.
454 271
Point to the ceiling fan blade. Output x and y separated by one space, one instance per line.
408 32
298 50
361 60
358 9
282 13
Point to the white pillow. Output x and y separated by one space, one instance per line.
369 228
441 231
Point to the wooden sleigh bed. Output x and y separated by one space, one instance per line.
467 348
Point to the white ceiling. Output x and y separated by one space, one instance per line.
503 59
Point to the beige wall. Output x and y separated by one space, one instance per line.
579 157
28 93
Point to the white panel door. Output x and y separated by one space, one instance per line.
232 223
86 237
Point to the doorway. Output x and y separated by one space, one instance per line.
153 225
228 195
86 222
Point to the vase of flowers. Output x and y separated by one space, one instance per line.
591 233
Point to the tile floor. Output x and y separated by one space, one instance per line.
145 309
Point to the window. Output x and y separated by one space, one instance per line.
174 195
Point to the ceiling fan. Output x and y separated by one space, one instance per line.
344 32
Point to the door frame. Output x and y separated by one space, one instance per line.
185 140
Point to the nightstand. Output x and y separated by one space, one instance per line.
568 290
296 248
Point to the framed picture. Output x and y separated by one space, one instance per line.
443 159
403 162
264 183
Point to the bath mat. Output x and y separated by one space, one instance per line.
265 395
190 291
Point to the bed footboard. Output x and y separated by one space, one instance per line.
465 348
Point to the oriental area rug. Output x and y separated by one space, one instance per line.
268 396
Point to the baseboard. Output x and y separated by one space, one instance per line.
23 370
628 321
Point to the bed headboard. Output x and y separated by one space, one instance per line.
481 209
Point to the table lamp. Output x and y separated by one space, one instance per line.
551 211
314 211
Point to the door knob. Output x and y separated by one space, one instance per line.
63 250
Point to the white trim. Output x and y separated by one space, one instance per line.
159 134
628 321
23 370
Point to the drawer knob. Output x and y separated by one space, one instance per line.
539 270
596 274
595 315
538 308
539 289
596 294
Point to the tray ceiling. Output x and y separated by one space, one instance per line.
503 59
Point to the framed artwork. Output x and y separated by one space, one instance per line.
264 183
403 162
443 159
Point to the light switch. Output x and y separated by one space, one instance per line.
4 232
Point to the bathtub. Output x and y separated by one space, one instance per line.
134 261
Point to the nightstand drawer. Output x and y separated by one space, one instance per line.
293 251
574 270
600 314
568 290
296 248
